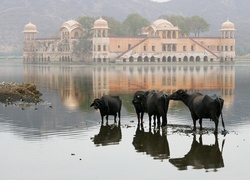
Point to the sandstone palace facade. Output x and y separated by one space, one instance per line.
160 42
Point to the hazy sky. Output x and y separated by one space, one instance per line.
160 0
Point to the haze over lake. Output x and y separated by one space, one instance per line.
62 137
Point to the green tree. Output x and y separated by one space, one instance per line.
87 23
198 25
134 23
180 21
82 47
115 26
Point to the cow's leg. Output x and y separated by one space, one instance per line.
158 121
163 114
107 117
138 116
200 122
115 117
216 121
142 113
119 115
102 120
164 120
194 121
154 120
149 120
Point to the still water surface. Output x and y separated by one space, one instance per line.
62 138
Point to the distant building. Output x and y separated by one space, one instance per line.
51 49
160 42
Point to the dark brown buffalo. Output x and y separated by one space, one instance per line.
108 105
201 106
137 102
201 156
155 103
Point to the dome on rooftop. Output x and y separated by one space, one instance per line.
100 23
71 25
162 25
30 28
227 25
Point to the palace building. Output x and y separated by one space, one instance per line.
160 42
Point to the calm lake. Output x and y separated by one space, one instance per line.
62 137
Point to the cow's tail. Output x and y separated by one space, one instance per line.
165 102
223 124
221 103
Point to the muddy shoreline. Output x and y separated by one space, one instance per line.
19 92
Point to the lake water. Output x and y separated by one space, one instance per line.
62 137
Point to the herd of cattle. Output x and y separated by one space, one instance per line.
155 104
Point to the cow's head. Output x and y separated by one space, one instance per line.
97 103
139 95
178 95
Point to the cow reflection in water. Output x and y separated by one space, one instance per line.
201 156
108 134
153 143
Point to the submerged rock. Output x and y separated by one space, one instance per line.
23 92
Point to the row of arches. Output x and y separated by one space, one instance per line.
65 59
39 59
47 59
100 60
226 59
166 59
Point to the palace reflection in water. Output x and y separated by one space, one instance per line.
78 86
38 133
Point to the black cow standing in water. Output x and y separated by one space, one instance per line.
108 105
155 103
137 102
201 106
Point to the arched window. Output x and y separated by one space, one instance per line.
174 34
139 59
164 34
99 33
76 34
169 59
104 34
152 59
131 59
164 59
197 58
205 58
169 34
174 59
